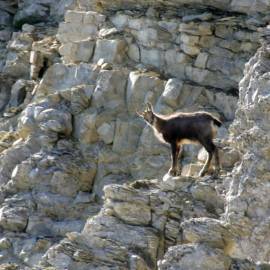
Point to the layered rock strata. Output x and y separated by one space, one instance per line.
70 136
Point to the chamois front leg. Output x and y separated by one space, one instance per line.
176 149
206 165
211 149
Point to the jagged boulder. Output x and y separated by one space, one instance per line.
247 199
195 257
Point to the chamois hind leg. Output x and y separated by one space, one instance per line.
217 162
210 148
179 159
174 170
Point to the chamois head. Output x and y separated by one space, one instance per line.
148 114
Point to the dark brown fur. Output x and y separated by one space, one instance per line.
181 128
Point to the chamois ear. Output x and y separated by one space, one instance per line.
149 106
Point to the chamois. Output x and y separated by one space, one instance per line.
184 128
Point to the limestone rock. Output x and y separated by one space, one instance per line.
85 127
208 231
138 86
192 169
228 156
78 132
79 26
134 52
6 18
113 51
194 257
124 207
5 243
6 84
20 93
247 197
126 136
80 51
243 6
17 65
152 57
55 120
60 77
142 238
13 218
130 213
32 13
110 90
175 63
171 93
201 60
106 132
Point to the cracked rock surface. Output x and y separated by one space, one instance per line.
83 180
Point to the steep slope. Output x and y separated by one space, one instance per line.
69 96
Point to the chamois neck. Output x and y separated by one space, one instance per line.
158 122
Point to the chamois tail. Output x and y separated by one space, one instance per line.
216 121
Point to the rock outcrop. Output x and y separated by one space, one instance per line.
73 74
247 200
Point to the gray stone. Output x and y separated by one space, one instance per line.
228 156
106 132
13 218
93 17
203 17
110 90
192 28
201 60
175 63
33 13
190 50
227 104
126 136
120 20
134 52
80 51
130 213
171 93
192 169
106 33
141 238
28 28
20 42
247 207
85 127
208 231
19 92
152 57
5 35
17 65
209 78
72 32
249 6
60 77
74 16
189 39
112 51
194 257
5 18
139 84
5 243
56 121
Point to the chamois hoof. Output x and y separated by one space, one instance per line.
216 172
174 172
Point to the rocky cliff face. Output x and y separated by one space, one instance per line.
72 148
